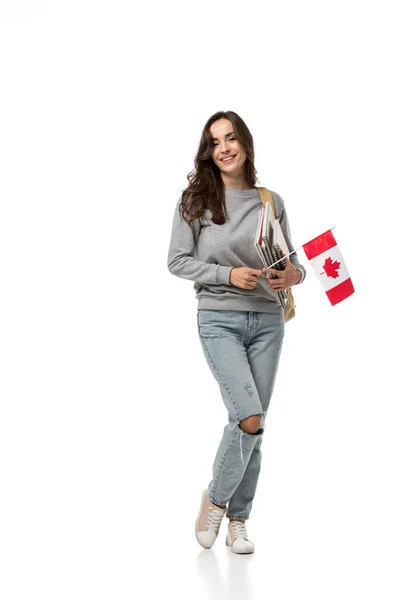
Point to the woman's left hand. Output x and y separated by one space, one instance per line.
290 276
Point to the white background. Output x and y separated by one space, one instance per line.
110 418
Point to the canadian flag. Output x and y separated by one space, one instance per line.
326 259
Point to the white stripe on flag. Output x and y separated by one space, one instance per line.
327 265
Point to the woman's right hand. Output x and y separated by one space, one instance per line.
244 277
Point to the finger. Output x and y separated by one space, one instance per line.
271 271
281 279
278 283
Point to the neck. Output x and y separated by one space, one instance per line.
237 183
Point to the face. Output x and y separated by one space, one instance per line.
226 145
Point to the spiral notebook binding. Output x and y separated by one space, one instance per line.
267 250
273 254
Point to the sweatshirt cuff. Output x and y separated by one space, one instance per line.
303 275
223 275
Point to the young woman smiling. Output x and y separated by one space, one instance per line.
240 321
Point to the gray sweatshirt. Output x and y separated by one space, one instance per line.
206 253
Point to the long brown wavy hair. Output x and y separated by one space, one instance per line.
206 188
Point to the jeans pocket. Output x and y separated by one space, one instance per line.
214 323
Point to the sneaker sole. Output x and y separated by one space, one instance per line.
198 516
235 551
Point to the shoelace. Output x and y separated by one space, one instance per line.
214 519
237 529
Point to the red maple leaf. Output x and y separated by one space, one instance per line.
331 268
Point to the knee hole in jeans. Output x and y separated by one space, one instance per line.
251 424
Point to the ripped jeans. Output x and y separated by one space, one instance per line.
242 350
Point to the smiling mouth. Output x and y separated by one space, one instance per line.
228 160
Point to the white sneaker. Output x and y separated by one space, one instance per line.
208 521
237 538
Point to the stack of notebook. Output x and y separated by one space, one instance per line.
270 244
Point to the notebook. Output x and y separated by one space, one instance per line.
270 243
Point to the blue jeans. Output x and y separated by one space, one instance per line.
242 350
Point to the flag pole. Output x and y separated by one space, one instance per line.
292 252
283 257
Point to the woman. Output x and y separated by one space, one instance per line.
240 320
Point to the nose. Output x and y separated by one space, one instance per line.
224 148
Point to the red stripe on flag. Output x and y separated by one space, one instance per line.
340 292
319 244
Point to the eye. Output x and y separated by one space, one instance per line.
229 140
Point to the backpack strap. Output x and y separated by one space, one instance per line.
266 196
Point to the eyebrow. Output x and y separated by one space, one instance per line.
227 135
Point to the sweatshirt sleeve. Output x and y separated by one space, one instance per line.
284 222
182 250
